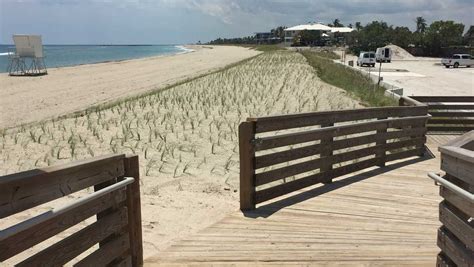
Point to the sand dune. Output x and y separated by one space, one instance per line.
69 89
186 138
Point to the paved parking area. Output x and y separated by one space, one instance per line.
424 76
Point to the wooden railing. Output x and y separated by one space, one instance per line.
448 113
274 162
456 211
115 203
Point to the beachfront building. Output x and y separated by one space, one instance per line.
338 34
266 38
326 32
293 32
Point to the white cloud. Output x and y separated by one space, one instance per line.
231 11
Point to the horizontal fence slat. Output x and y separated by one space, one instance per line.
297 153
442 114
25 190
273 123
457 201
405 154
454 249
14 244
459 168
107 252
449 128
460 228
450 107
276 191
460 99
277 174
288 155
280 173
65 250
418 142
451 121
410 132
308 136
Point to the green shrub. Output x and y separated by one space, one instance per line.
354 82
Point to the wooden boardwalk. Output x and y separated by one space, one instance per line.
380 216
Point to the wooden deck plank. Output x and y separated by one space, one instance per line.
377 216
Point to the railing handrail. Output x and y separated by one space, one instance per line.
461 192
14 229
115 203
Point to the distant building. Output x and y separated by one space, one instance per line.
292 32
266 38
326 31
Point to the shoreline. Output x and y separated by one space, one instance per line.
65 90
184 50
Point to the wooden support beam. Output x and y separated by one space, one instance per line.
247 165
132 169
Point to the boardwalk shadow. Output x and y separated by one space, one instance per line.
267 210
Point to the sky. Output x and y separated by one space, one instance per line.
189 21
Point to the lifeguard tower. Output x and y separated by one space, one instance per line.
28 59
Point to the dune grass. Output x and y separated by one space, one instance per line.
188 130
354 82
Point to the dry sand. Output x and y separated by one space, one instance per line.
399 53
68 89
186 138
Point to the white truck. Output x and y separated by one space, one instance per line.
366 58
383 54
458 60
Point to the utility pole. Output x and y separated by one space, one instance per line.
380 70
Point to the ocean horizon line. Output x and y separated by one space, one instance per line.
104 44
76 55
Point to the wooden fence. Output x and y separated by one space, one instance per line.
332 147
448 113
456 211
115 203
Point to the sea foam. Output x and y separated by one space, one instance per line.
185 49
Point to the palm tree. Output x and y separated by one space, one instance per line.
420 24
358 26
337 23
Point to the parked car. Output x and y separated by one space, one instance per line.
383 54
458 60
366 58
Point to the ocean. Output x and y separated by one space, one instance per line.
72 55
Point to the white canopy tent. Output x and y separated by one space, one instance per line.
291 32
28 59
309 27
341 29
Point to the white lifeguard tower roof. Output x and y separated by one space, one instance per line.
28 45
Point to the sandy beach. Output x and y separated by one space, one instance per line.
186 137
68 89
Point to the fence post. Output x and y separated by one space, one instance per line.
401 102
134 210
247 165
424 151
327 152
381 140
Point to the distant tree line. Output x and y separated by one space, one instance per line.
240 40
430 39
276 32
